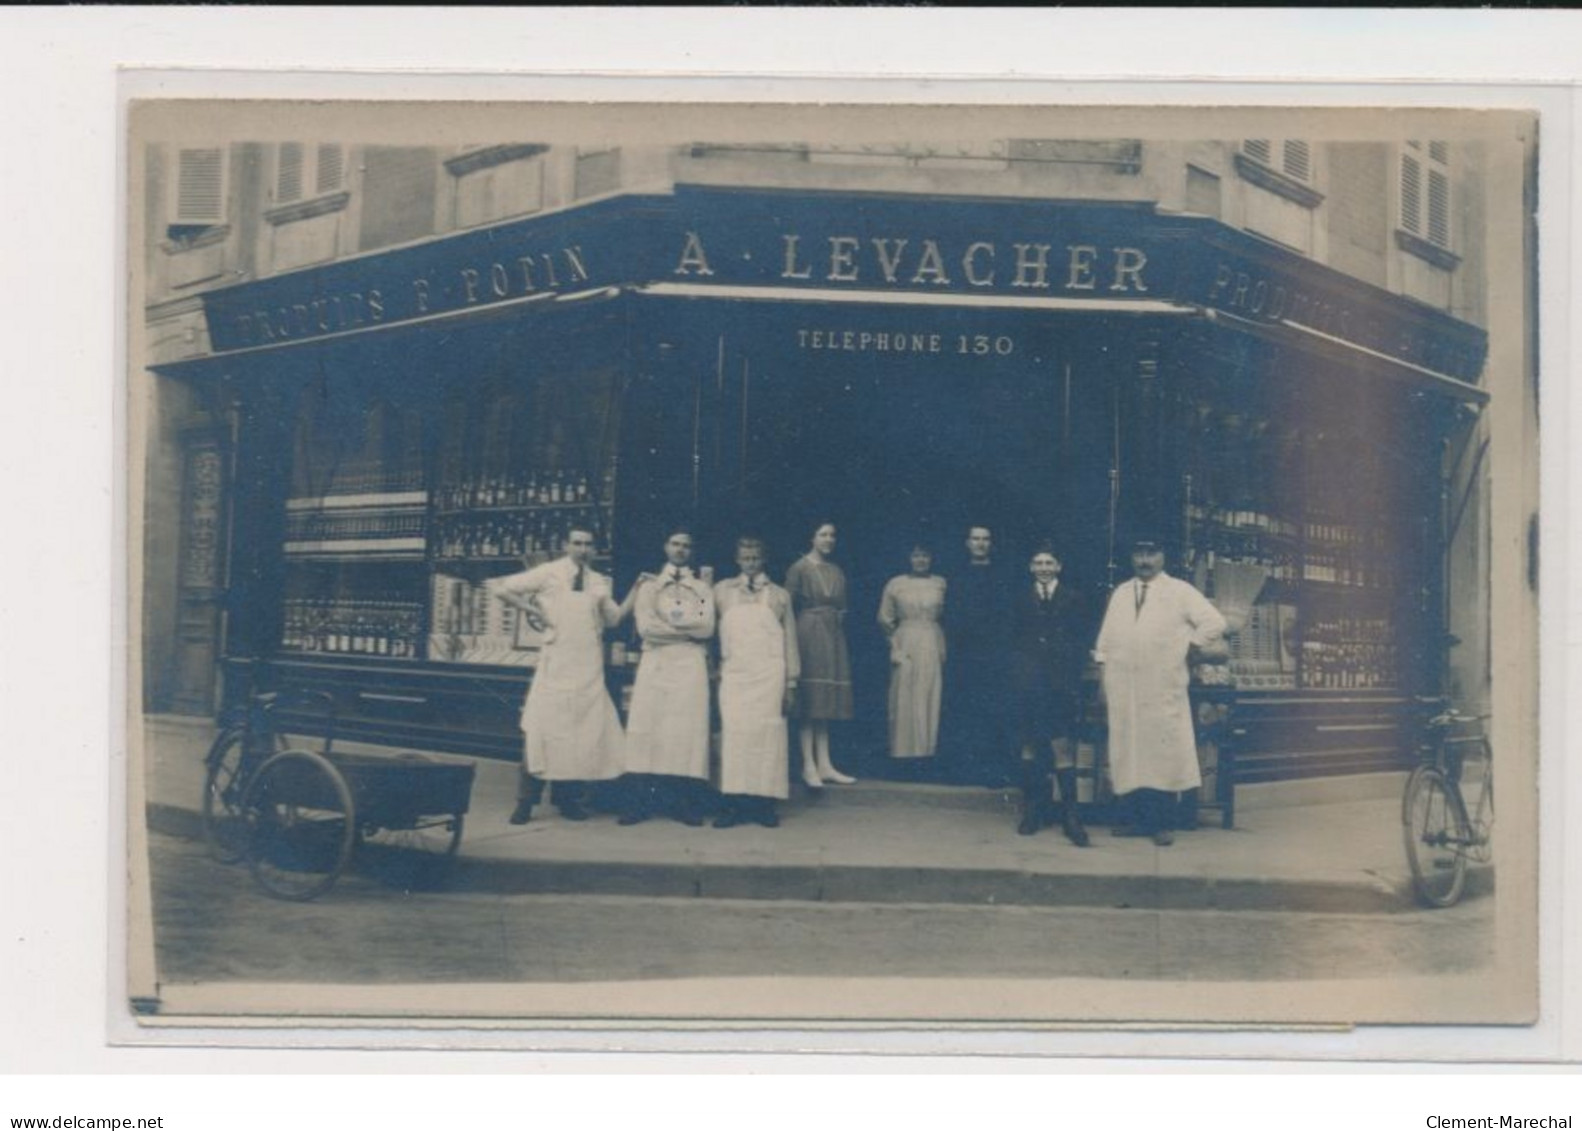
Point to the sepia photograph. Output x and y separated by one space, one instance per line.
668 563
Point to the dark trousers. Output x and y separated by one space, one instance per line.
746 804
1150 810
979 716
668 795
562 794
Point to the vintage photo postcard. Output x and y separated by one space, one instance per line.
636 563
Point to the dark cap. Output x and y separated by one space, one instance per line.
1147 544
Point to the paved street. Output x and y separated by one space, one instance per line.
213 924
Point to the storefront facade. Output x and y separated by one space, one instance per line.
389 430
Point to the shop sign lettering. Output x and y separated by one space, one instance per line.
431 292
896 341
910 261
1261 295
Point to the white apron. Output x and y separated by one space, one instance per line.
1151 743
570 724
753 757
667 731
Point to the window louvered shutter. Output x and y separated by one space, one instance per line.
1438 208
332 169
1260 151
1298 158
1439 151
288 180
1411 195
200 186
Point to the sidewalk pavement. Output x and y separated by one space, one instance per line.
1336 848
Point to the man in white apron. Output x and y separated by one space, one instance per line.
572 733
667 731
758 679
1152 622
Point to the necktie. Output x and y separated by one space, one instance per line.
1043 592
581 579
1142 596
675 575
752 584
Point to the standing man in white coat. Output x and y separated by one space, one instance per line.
758 680
1152 622
667 732
572 733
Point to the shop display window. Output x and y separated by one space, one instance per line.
1301 539
398 515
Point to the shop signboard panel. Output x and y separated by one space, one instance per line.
878 247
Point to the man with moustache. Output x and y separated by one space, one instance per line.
667 732
572 735
1153 621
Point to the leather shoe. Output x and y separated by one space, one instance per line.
523 813
1075 832
627 819
769 819
691 820
1164 838
573 812
727 820
1031 822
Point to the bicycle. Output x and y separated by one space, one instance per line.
248 739
1442 834
296 815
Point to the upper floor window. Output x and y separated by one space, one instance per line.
1425 192
495 182
197 200
304 171
1283 166
1293 158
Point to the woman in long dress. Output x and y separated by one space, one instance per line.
909 613
818 594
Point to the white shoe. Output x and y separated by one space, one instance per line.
812 780
836 777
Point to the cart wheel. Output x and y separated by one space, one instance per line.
413 859
301 824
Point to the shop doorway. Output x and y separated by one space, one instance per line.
913 449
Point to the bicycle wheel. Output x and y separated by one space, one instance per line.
1436 836
301 825
1482 811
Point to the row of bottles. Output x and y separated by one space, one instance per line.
361 628
1359 564
1349 653
349 525
1280 565
1359 570
1240 518
521 489
511 536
